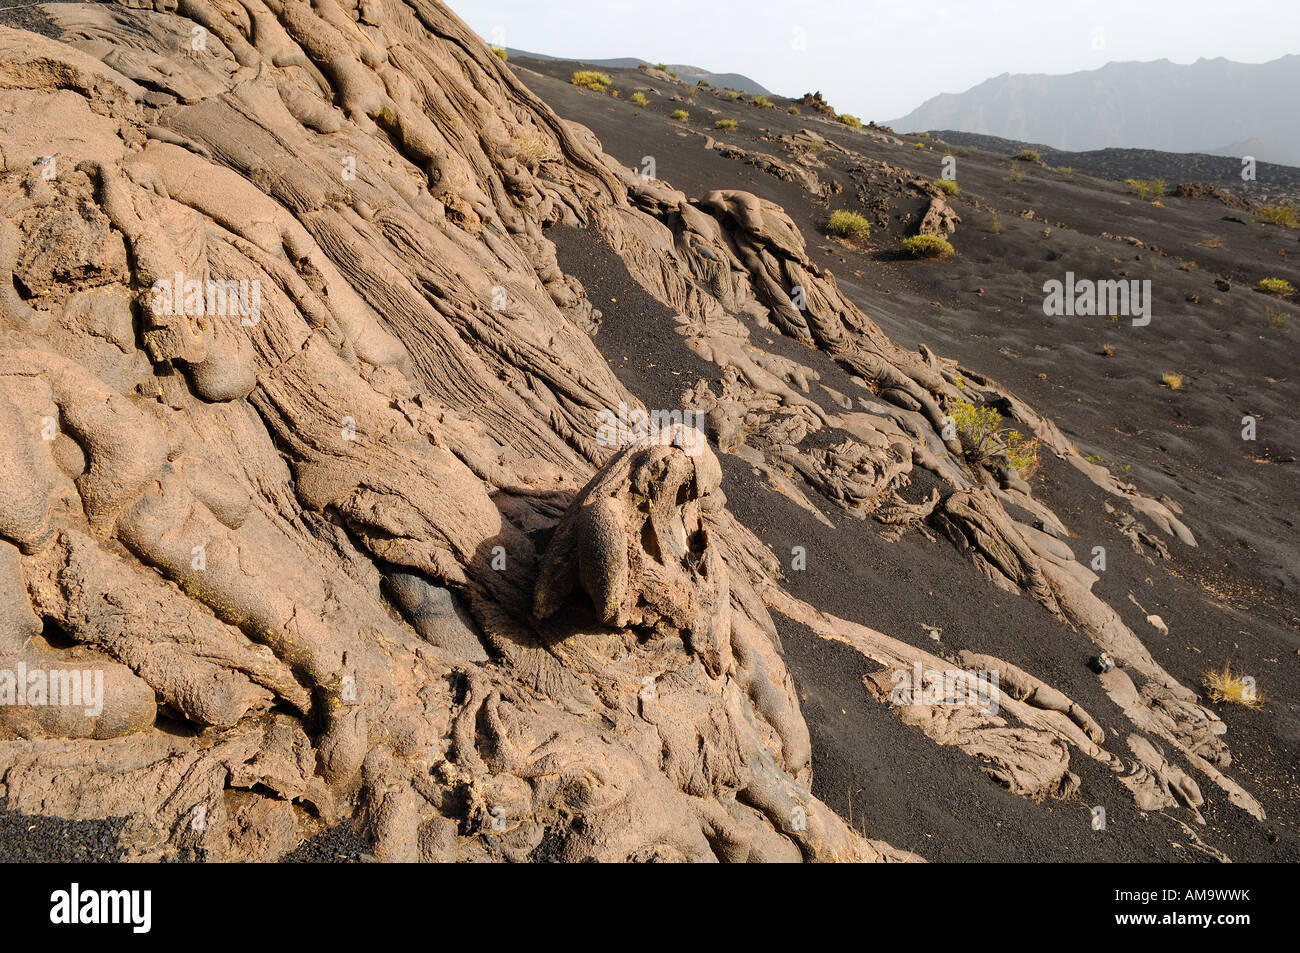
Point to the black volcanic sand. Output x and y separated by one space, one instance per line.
1231 599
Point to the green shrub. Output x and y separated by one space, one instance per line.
1147 189
849 120
501 52
1066 170
590 79
732 94
704 83
980 431
681 115
996 225
638 99
762 102
1029 155
726 124
848 224
1015 172
1282 214
947 185
1277 286
793 110
927 246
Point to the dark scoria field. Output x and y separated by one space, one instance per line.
1232 598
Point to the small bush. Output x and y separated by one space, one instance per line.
1276 319
672 74
681 115
590 79
732 94
848 224
927 246
638 99
1283 215
663 67
980 431
793 110
501 52
1277 286
704 83
532 149
849 120
1066 170
1147 189
920 145
762 102
1029 155
726 124
614 93
1235 689
1172 380
948 185
996 225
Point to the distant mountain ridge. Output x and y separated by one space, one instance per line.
1211 106
689 73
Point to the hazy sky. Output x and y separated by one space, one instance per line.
880 60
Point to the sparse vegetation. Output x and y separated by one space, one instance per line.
532 149
996 225
590 79
681 115
500 51
848 224
982 436
1015 172
927 246
638 99
849 120
1029 155
1232 688
1147 189
1282 214
662 67
947 185
732 94
1108 350
726 124
1066 170
793 110
1172 380
762 102
1276 286
1276 319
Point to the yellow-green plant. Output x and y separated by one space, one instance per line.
948 185
850 120
1282 214
1147 189
848 224
1029 155
726 124
638 99
681 115
1277 286
762 102
927 246
590 79
501 52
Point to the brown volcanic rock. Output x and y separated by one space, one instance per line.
304 443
